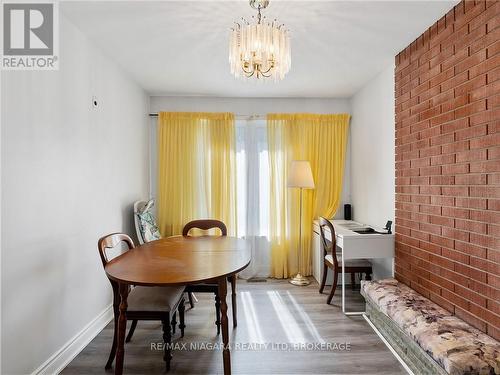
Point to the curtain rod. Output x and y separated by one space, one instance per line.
246 117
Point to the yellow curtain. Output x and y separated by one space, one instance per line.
196 169
322 140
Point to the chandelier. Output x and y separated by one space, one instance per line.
260 49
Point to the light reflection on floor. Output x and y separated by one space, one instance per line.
285 317
306 319
291 315
250 318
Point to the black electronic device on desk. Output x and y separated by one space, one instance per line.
388 226
370 230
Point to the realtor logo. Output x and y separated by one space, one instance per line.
30 35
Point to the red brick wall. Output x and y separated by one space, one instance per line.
448 164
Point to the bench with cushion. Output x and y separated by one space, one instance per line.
428 338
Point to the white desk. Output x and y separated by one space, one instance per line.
354 245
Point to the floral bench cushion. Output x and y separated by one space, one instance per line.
454 344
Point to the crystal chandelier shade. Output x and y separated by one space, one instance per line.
260 50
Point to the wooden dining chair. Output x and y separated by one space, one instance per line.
208 224
144 302
331 260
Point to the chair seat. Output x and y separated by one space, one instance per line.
202 288
154 298
349 263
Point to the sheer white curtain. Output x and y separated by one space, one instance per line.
253 193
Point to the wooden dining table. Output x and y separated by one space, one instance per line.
179 260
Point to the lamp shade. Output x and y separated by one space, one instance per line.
300 175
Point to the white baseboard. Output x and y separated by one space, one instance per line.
59 360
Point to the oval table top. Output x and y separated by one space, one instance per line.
180 260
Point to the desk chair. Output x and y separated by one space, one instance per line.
332 260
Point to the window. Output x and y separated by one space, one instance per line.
253 183
252 178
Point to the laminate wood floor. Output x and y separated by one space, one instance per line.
272 317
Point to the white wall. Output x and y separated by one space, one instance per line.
248 106
70 174
256 106
372 156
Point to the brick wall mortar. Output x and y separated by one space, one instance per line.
447 87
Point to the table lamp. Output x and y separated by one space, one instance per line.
300 176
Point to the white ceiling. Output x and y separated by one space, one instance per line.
181 47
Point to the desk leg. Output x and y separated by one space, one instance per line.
222 282
350 313
343 282
122 327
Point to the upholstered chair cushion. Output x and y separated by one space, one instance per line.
147 223
154 298
349 262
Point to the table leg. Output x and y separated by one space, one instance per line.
233 300
122 327
222 283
